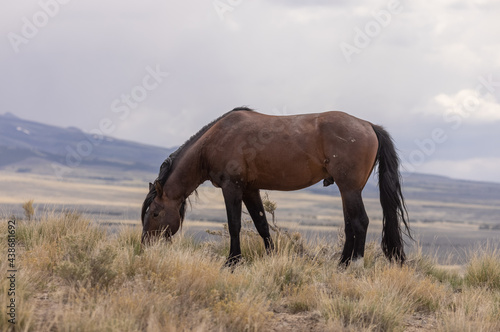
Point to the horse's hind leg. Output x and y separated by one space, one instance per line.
356 226
254 205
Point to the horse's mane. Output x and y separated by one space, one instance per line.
168 165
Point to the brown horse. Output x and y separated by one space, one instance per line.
244 151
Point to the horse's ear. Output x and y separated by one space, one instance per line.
159 189
150 186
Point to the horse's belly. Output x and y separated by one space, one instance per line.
293 174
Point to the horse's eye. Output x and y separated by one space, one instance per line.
155 214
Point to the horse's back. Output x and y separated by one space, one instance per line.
290 152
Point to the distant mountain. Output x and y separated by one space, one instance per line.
28 146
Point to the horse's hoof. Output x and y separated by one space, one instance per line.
231 262
358 263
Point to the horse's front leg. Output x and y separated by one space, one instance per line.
232 198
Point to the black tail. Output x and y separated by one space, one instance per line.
391 197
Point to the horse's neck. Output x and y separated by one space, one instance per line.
186 175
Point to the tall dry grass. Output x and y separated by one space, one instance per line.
75 276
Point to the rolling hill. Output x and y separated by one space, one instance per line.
27 146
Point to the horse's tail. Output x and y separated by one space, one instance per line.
391 197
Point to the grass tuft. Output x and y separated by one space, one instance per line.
483 269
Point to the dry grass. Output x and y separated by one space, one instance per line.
74 276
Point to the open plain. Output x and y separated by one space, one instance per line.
443 228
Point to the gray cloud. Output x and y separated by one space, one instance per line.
273 56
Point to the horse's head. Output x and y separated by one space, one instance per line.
160 215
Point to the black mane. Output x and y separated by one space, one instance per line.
167 166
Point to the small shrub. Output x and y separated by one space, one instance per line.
302 299
428 266
51 228
130 237
29 210
270 207
378 313
483 269
83 261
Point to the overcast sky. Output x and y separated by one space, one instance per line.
157 71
